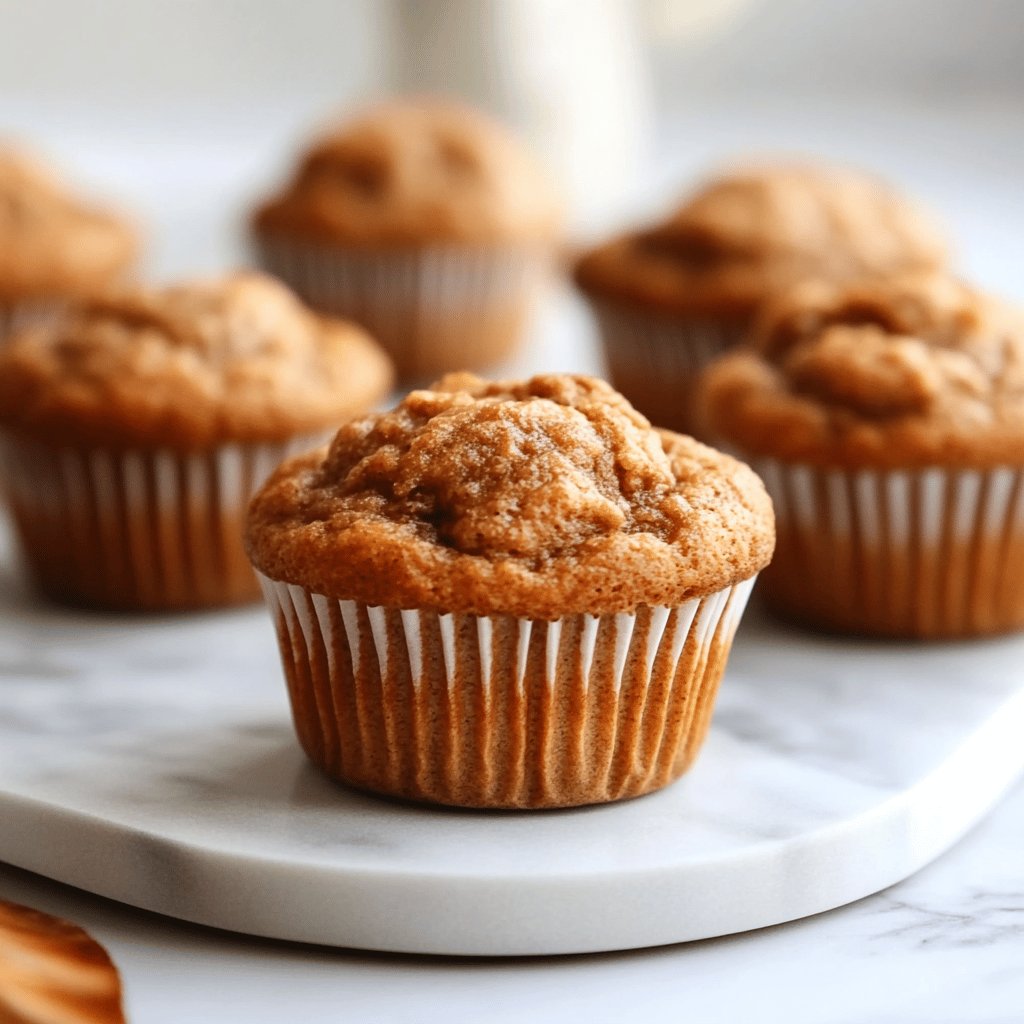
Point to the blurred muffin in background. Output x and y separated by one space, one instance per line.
671 297
53 247
425 222
133 432
886 418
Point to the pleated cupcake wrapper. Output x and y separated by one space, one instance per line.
434 308
144 530
928 553
655 360
502 711
16 316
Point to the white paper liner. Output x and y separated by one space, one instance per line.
929 552
144 530
434 308
655 360
499 711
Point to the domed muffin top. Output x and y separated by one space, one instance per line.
415 172
539 499
915 370
189 367
749 232
51 244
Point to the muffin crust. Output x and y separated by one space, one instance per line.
915 371
51 244
413 172
538 499
188 367
750 231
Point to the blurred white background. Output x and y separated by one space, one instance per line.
187 109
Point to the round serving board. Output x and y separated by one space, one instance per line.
152 761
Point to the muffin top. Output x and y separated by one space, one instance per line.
51 244
751 231
189 367
415 172
51 970
914 371
538 499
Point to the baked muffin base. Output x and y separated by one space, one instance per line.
434 309
928 554
655 359
14 316
498 711
138 530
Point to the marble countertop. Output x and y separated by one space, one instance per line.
946 945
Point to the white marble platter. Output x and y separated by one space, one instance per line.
152 761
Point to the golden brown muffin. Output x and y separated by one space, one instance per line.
53 247
135 430
52 971
424 221
671 297
887 418
550 586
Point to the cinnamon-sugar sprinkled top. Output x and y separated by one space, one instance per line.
916 370
541 498
51 244
189 367
51 970
750 231
413 172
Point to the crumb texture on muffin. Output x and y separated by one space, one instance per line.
751 230
413 172
536 499
53 971
913 371
189 366
50 242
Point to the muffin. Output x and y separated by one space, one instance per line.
512 595
134 431
52 971
670 298
52 246
426 223
887 420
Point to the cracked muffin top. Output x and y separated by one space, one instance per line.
52 244
189 367
538 499
52 970
917 370
749 232
414 172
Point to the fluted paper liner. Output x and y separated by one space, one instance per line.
145 530
433 308
28 313
655 359
918 553
500 711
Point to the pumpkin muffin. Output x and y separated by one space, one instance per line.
672 297
134 431
425 222
887 420
52 971
53 247
511 594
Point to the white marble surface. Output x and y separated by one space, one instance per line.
152 761
946 945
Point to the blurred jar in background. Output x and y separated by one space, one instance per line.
570 75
